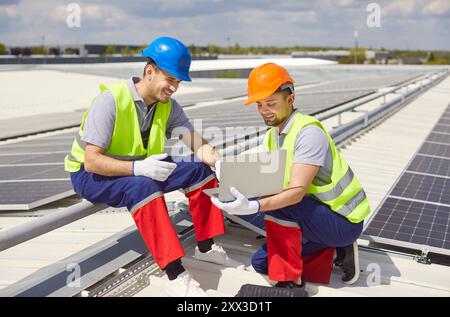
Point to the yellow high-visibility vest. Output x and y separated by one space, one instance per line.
126 141
344 195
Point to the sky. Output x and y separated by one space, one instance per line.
396 24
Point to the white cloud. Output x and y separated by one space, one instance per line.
437 7
345 3
399 8
262 22
9 11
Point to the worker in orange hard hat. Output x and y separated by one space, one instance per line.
319 215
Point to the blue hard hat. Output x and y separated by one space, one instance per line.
171 55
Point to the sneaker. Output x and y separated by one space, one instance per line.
350 263
184 286
219 256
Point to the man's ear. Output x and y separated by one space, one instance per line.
149 71
291 99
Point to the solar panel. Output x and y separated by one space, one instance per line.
369 82
430 165
439 138
33 172
423 187
416 212
442 129
414 222
18 149
28 195
308 104
29 176
444 121
27 158
435 149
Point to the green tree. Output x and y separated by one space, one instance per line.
126 51
360 56
2 49
213 49
237 49
227 74
39 50
195 50
110 49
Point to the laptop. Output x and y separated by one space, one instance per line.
254 175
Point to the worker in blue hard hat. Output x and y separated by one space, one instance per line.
118 159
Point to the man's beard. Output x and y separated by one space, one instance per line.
273 123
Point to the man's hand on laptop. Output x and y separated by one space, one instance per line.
240 206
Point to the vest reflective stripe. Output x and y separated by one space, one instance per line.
126 127
80 142
281 222
344 195
351 205
338 189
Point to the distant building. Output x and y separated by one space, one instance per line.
413 60
95 49
332 55
385 58
328 55
81 50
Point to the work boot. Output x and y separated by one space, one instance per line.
340 254
184 286
349 262
219 256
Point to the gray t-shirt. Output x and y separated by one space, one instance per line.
99 124
311 147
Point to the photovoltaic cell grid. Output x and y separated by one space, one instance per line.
429 188
416 212
414 222
32 172
435 149
430 165
28 195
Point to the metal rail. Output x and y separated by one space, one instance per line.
36 227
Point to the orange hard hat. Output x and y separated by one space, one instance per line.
264 80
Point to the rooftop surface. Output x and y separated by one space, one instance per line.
378 155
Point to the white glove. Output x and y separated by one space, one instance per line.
217 169
241 206
154 168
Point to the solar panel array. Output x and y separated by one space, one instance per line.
32 172
416 212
